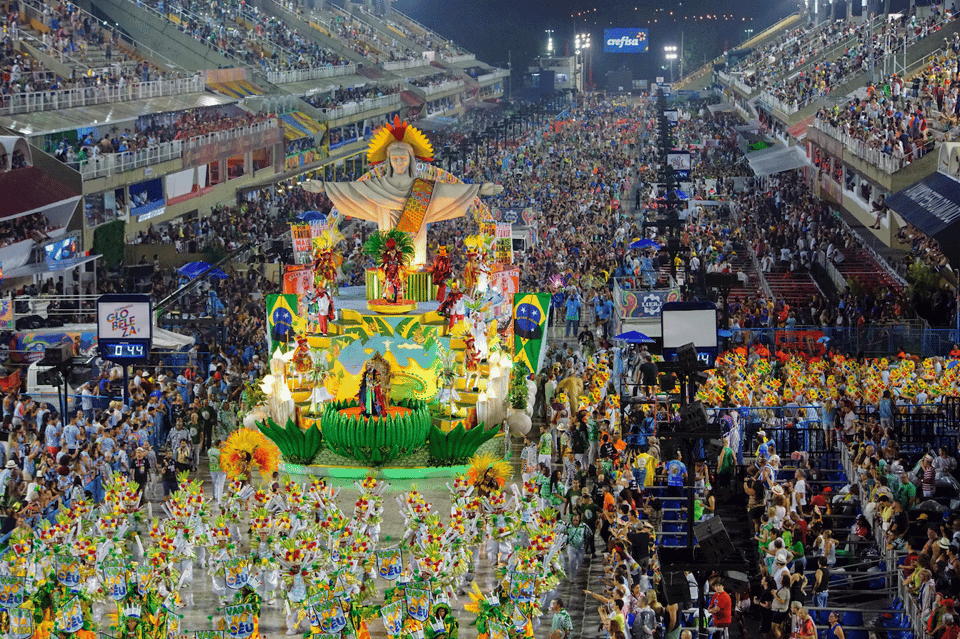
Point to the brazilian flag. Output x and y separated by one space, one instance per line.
283 320
530 312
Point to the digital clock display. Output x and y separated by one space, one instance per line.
126 351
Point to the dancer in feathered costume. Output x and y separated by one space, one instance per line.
488 475
134 626
299 577
368 511
265 555
187 516
221 551
245 451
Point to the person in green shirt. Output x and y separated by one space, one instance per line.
218 476
545 446
593 437
561 621
590 515
226 421
725 467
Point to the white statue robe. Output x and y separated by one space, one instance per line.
379 201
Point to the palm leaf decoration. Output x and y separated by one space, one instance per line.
377 243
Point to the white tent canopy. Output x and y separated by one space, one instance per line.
163 339
777 160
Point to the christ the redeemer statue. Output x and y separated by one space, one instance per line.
400 200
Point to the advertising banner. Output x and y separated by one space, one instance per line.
625 41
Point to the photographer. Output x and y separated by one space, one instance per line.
168 474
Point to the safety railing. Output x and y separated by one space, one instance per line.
231 134
15 103
443 87
115 163
363 106
304 75
496 75
873 341
866 151
788 107
463 57
743 86
399 65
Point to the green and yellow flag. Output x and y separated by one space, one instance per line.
283 320
530 312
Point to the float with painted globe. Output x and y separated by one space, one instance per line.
404 374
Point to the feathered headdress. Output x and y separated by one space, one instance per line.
481 465
219 529
264 454
261 520
398 132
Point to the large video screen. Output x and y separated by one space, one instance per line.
61 250
625 41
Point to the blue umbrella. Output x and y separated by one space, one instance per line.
724 333
645 243
634 337
823 340
311 216
218 274
680 194
192 269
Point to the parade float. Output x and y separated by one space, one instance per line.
411 377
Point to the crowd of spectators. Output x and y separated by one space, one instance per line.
151 132
825 75
347 95
881 124
94 50
903 494
432 80
924 250
368 42
28 227
793 49
243 32
578 173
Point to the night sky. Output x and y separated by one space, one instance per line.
491 28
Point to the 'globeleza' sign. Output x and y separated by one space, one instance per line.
625 41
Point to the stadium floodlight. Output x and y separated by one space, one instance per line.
670 53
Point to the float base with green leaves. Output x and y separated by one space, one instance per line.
416 466
403 444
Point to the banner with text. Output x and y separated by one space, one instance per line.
503 246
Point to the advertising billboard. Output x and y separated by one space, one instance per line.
624 40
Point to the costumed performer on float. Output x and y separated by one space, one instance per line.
325 311
326 263
392 252
441 271
400 199
454 307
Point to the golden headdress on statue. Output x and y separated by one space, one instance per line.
398 132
